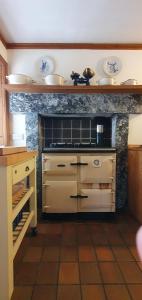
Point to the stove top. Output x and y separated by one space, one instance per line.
71 145
77 147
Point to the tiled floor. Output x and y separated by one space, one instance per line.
82 260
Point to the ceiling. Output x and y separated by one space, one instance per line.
74 21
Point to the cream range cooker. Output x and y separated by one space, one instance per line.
78 182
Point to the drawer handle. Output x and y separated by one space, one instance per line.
27 169
61 165
74 164
74 196
15 172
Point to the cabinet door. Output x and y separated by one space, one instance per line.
97 168
60 164
96 200
58 197
135 183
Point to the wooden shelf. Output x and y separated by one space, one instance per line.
21 202
71 89
22 232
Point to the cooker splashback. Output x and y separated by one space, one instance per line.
76 130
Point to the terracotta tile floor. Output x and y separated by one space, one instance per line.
80 260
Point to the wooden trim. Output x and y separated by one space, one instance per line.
81 46
4 103
66 89
5 63
2 39
12 159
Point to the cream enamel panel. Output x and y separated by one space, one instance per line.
96 199
22 170
57 164
97 167
94 174
56 196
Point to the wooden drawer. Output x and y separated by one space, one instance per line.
20 171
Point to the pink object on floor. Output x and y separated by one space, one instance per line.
139 242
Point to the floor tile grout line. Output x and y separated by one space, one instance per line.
128 291
125 284
77 243
59 263
37 274
135 260
102 284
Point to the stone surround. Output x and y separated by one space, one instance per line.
119 105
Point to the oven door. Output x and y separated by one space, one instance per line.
97 168
92 200
59 164
59 197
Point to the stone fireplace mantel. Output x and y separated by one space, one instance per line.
118 105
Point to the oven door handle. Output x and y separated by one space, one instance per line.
82 197
74 164
83 164
79 164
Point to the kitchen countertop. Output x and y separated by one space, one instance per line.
15 158
78 150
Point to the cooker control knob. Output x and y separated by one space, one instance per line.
96 162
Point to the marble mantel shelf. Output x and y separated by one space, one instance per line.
70 89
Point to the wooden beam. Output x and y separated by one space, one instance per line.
5 63
81 46
71 89
2 39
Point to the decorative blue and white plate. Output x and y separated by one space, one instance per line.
47 65
112 65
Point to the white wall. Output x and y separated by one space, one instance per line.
3 51
28 62
17 130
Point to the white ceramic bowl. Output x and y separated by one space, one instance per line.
54 79
130 82
106 80
19 79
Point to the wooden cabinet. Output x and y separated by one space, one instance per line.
135 182
3 104
78 183
17 211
